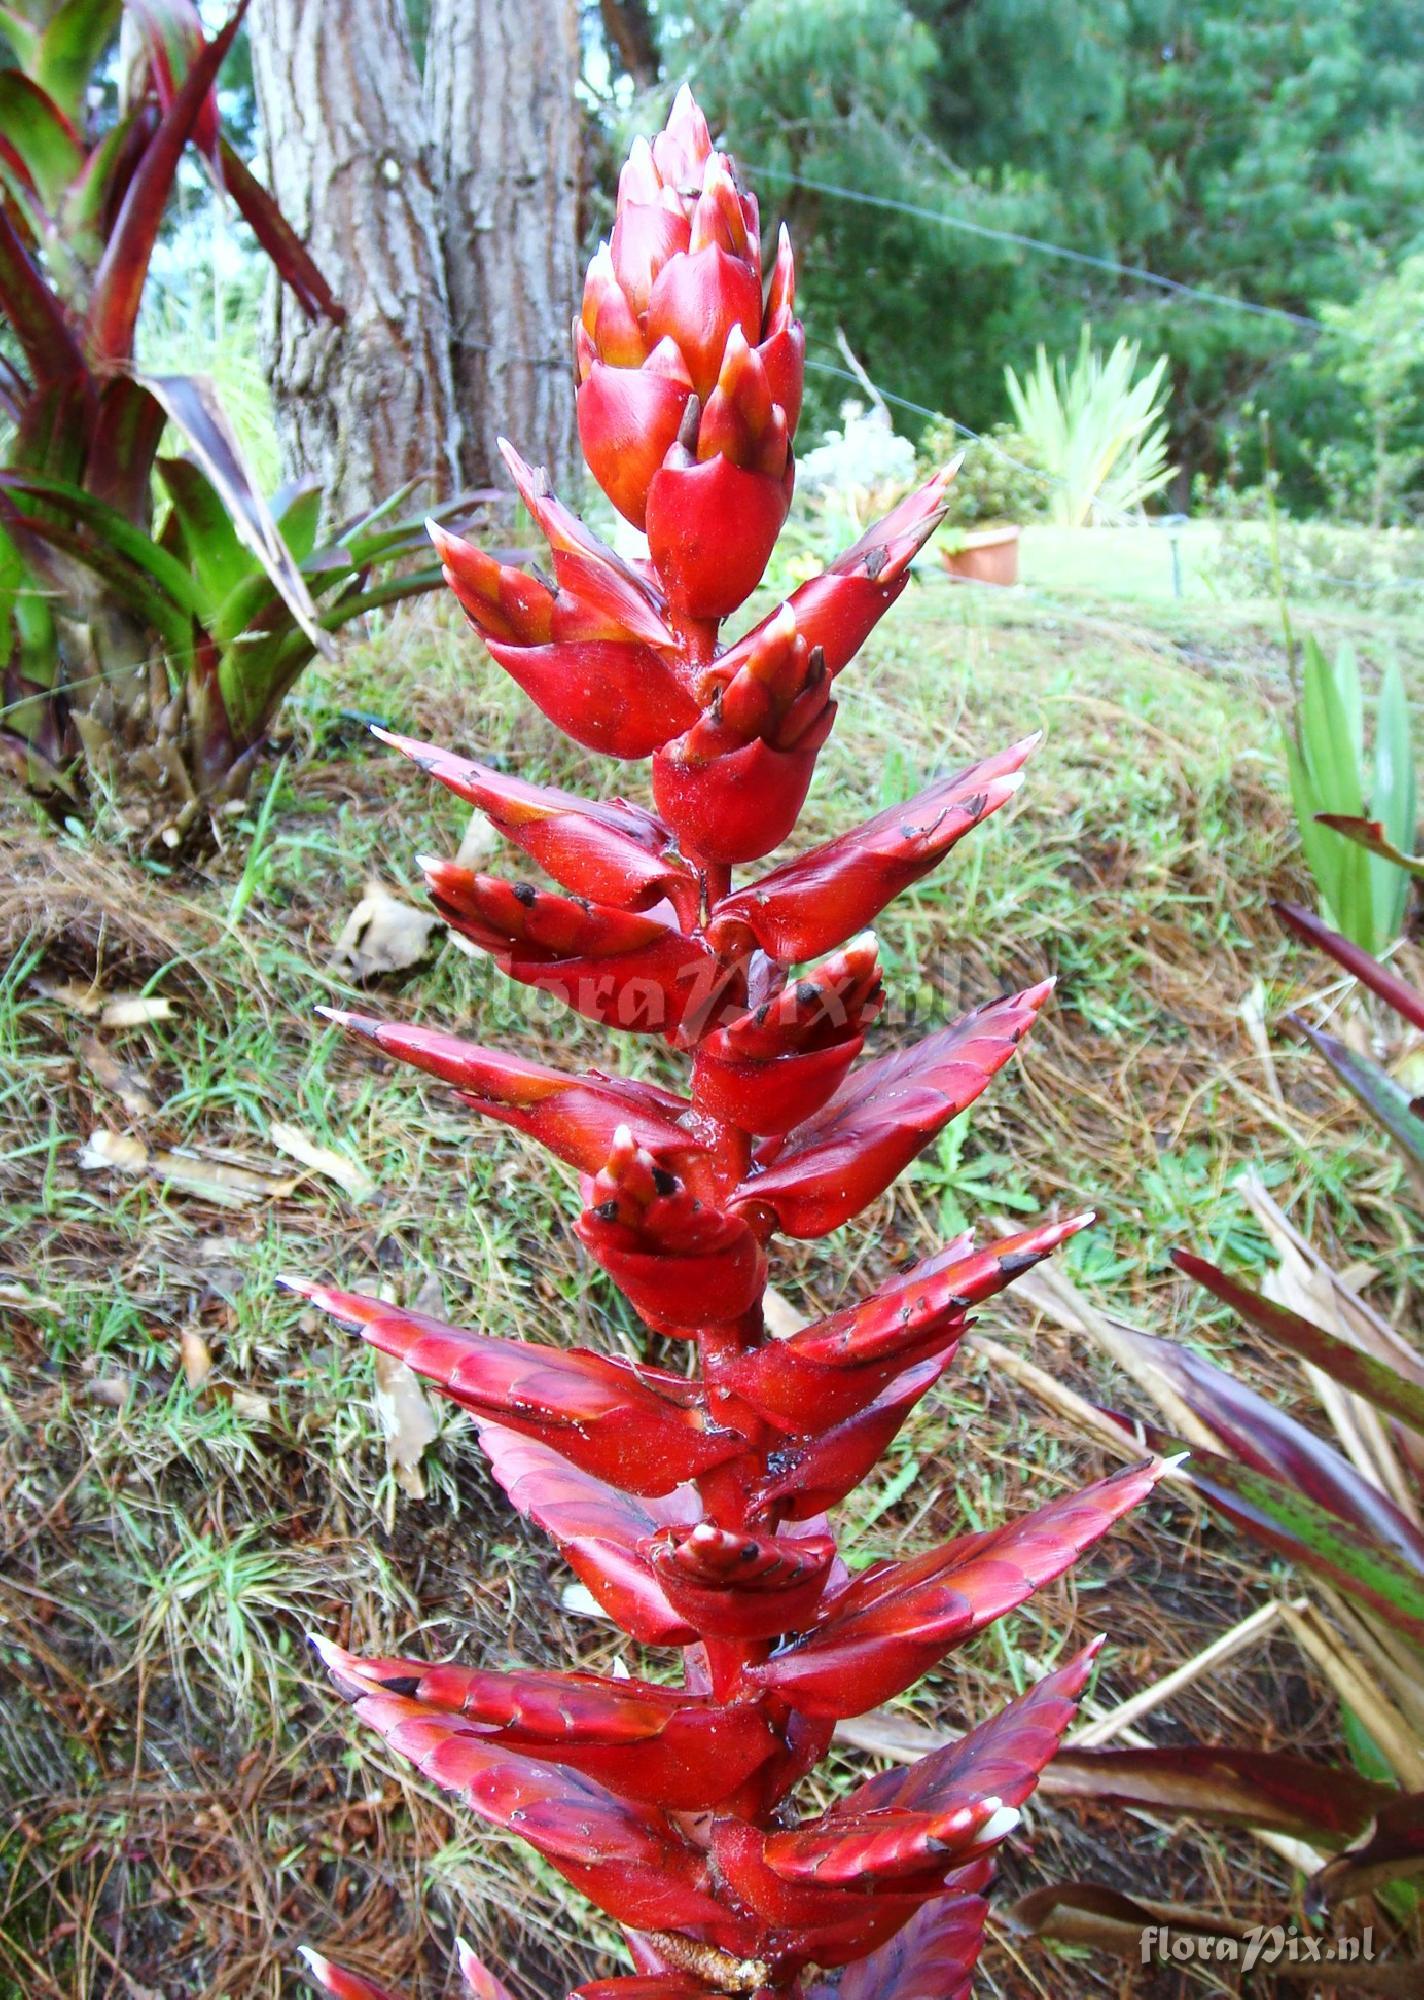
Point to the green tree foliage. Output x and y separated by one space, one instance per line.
1273 153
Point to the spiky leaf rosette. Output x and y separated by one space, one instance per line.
694 1504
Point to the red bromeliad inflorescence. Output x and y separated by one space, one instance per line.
694 1505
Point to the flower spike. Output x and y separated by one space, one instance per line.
693 1493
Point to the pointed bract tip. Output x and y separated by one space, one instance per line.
1174 1463
353 1024
1035 996
304 1287
317 1966
430 864
521 471
951 470
441 536
327 1651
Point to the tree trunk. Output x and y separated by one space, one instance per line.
628 25
504 122
371 403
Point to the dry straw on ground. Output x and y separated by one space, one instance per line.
192 1471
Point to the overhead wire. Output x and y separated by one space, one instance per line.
1199 294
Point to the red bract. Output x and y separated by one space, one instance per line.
692 1503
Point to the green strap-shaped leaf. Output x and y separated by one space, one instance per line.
217 557
109 528
297 512
1326 738
1322 856
41 135
256 676
132 584
1284 1520
69 51
1381 1096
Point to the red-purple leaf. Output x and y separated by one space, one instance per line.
1281 1517
34 311
1390 1107
1392 1850
123 269
1217 1782
289 255
1394 991
1364 1374
1257 1435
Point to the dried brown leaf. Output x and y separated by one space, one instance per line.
382 935
196 1357
325 1160
406 1418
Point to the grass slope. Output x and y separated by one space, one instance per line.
186 1800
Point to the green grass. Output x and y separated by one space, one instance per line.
168 1543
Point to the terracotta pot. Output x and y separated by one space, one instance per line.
986 555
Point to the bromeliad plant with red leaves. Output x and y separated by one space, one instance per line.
154 609
694 1504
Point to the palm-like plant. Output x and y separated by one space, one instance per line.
1094 430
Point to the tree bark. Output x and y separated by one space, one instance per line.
629 27
371 403
504 123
